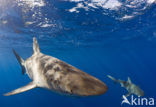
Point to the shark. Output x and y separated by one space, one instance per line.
56 75
129 86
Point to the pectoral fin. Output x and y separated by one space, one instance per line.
31 85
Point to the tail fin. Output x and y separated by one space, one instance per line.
112 78
20 60
36 48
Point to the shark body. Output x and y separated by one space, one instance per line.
129 86
55 75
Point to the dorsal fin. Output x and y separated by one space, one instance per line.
129 80
36 48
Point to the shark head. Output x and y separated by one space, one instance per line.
139 91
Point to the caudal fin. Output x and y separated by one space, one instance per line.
20 60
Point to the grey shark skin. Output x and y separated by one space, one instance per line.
129 86
53 74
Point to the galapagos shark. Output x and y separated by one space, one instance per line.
53 74
129 86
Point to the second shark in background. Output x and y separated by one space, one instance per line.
129 86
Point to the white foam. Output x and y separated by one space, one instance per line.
151 1
31 3
127 17
74 9
92 5
78 6
46 25
28 23
112 4
4 21
106 4
76 0
130 8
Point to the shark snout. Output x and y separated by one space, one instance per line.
88 86
141 93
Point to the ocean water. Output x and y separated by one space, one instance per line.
100 37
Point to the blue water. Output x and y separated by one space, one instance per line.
95 41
